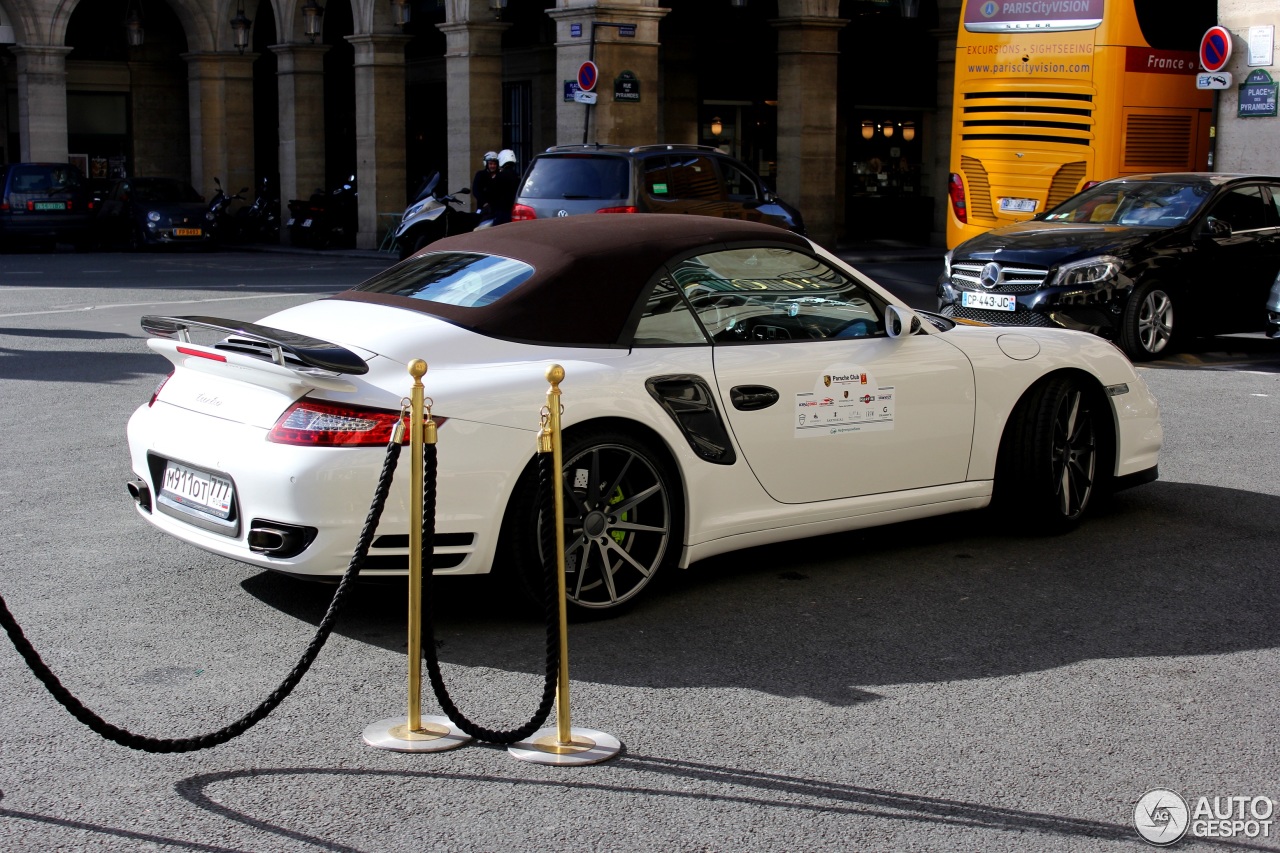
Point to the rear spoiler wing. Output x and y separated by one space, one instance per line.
312 352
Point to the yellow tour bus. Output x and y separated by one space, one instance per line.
1053 95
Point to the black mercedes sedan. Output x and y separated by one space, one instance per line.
1146 260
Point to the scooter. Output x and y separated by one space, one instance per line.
326 219
430 217
260 221
217 213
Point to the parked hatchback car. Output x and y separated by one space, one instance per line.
141 212
43 204
692 179
1148 260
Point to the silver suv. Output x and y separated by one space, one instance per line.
571 179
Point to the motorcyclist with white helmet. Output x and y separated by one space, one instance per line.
503 190
482 183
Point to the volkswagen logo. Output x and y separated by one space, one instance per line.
990 276
562 212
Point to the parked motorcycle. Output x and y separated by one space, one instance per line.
431 216
217 215
326 219
260 222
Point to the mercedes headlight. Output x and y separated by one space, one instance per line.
1089 273
153 216
946 265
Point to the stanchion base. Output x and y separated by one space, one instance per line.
588 746
436 735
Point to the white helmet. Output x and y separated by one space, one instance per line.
490 155
505 156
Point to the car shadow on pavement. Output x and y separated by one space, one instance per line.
1171 569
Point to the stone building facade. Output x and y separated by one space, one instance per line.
785 85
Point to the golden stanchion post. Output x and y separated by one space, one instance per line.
413 733
563 744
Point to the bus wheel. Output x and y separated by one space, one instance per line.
1147 328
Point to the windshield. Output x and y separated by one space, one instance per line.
578 176
451 278
1154 204
164 191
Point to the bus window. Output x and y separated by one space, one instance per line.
1052 97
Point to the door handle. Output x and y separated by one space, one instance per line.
752 398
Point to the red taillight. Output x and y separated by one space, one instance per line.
155 395
212 356
617 210
522 213
314 423
955 189
4 205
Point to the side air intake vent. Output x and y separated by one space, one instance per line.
979 189
1065 183
1158 141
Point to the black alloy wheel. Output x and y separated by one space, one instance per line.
622 522
1147 327
1049 462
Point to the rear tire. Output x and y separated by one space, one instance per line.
1049 474
624 522
1147 328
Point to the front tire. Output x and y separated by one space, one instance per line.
623 522
1049 473
1147 328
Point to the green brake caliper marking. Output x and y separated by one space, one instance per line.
618 535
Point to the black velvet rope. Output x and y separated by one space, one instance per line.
547 536
240 726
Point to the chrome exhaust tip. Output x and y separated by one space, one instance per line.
140 492
276 539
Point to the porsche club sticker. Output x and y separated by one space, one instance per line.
844 400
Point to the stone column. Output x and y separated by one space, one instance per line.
632 122
473 75
300 76
380 128
42 102
808 52
220 95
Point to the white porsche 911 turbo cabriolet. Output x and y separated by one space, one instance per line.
728 384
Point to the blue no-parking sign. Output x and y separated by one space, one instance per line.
588 74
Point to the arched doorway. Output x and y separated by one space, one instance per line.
127 110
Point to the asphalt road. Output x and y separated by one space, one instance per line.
941 685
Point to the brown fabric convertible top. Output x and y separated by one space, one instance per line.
589 272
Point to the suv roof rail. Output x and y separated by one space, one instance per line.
593 146
672 146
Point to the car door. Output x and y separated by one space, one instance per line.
822 402
1233 272
748 198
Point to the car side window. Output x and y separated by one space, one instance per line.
737 183
667 319
693 177
1244 209
769 294
657 177
1274 191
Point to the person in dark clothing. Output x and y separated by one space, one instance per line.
503 191
482 183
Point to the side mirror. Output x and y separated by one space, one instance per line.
244 189
1219 228
464 191
900 322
